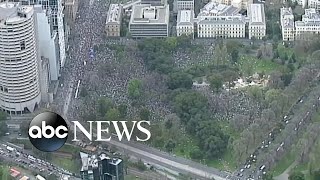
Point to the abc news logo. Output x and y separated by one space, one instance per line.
48 131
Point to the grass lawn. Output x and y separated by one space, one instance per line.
5 172
284 163
70 149
130 177
71 165
227 162
251 65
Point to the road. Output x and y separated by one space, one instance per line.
28 161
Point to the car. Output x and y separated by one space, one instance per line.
287 122
278 149
7 134
241 170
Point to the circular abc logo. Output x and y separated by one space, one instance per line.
48 131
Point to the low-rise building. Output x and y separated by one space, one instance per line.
183 5
149 21
257 22
185 23
113 22
287 24
314 4
308 26
217 20
222 27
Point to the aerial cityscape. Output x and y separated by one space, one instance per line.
160 89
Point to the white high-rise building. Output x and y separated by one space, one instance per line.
287 24
257 21
314 4
179 5
217 20
185 23
308 26
19 70
55 9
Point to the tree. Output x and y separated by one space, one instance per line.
140 165
196 153
268 176
122 108
229 76
144 114
315 175
296 176
83 92
3 128
179 80
256 93
113 115
170 145
215 82
272 94
3 115
234 56
135 89
104 104
188 104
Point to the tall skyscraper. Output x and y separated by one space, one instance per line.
101 167
55 9
19 78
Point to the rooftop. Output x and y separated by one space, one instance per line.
286 18
10 11
224 20
185 17
145 13
114 13
216 9
310 18
256 14
90 162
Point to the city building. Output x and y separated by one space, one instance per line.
257 21
113 22
315 4
154 2
149 21
19 71
222 27
302 3
183 5
308 26
101 167
70 11
217 9
217 20
55 9
47 42
287 24
185 23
